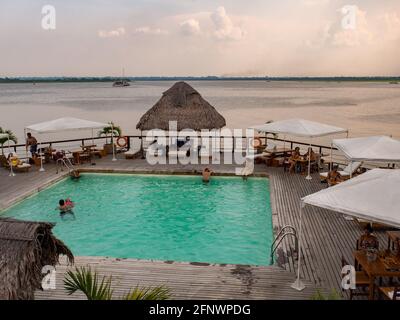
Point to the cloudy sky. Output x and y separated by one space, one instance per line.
201 37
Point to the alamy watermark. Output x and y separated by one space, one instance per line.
225 146
49 279
48 21
349 19
348 277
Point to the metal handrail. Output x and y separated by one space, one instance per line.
281 235
63 161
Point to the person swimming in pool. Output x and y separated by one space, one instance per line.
75 175
65 207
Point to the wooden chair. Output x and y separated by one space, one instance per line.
385 292
84 157
362 282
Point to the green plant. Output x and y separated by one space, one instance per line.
157 293
85 280
111 130
333 295
11 136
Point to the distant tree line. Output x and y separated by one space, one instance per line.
214 78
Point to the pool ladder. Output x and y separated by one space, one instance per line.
65 162
287 230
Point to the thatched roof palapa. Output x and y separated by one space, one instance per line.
185 105
25 248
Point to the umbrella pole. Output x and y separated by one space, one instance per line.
41 161
298 284
92 154
12 174
309 164
331 164
112 142
351 169
26 146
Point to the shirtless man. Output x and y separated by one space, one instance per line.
206 175
32 143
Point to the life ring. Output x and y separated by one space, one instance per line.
122 142
256 145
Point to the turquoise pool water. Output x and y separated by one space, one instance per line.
160 217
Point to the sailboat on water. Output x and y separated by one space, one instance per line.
122 82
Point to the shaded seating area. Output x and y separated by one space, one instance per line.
86 153
373 196
301 128
180 108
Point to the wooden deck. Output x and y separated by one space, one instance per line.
188 280
327 236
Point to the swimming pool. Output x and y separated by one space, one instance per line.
161 217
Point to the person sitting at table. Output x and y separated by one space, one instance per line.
334 177
368 240
310 155
295 156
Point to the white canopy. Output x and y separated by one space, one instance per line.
65 124
300 128
3 135
373 196
378 148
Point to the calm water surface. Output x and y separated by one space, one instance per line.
364 108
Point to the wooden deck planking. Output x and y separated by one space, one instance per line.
187 281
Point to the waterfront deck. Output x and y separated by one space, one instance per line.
327 236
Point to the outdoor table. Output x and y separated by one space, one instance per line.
278 152
392 237
303 163
378 268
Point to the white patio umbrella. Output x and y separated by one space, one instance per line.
372 196
2 136
376 148
300 128
67 124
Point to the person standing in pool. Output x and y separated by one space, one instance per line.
206 175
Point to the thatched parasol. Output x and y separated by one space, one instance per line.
185 105
25 248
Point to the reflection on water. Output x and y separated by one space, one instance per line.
364 108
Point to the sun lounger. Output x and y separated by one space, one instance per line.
156 150
248 169
348 171
24 167
183 151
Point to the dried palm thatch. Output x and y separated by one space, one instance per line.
185 105
25 247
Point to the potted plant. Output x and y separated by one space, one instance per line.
109 132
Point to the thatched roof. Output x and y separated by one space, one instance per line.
25 247
185 105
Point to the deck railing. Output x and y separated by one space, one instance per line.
141 138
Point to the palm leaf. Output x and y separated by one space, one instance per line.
83 279
148 293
